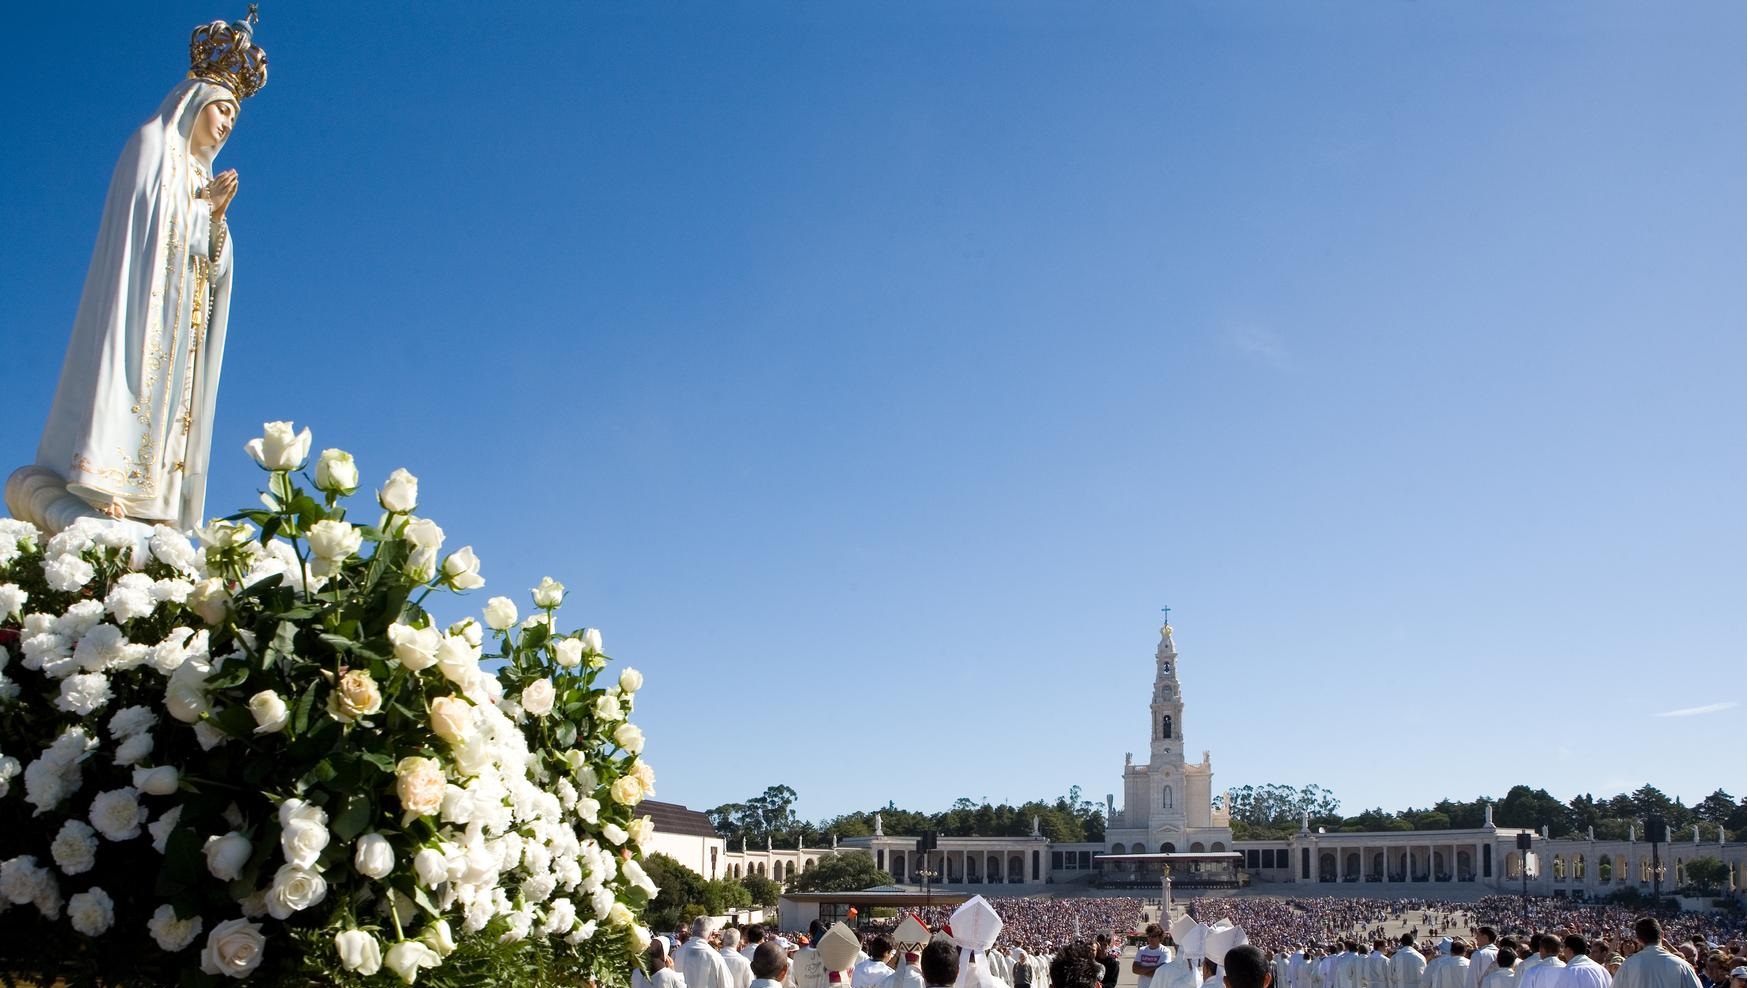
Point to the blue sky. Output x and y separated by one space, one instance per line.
873 373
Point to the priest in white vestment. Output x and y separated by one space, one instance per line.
1653 966
1407 967
698 962
1580 970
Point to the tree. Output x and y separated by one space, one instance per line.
840 871
1721 808
723 895
767 816
1534 809
1707 874
761 890
677 887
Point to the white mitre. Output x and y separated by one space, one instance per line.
975 927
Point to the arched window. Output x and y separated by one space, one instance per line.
1168 848
1168 790
1165 727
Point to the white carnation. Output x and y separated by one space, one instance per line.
173 549
12 599
131 597
163 827
91 912
83 693
134 749
170 933
67 573
117 813
74 848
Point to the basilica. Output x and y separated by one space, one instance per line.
1168 819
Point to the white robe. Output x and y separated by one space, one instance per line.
1543 975
1482 963
1655 967
904 976
1407 968
740 970
131 422
701 965
1582 972
869 974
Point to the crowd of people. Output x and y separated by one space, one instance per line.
1493 942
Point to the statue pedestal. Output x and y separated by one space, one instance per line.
39 495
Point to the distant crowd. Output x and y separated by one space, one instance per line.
1495 942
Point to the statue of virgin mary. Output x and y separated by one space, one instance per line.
130 429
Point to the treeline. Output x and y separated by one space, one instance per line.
1274 811
771 814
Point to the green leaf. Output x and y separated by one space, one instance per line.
354 815
383 762
300 715
566 735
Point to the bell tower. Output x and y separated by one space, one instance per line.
1168 702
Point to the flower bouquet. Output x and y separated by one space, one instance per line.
254 755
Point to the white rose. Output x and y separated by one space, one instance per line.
358 951
419 783
401 493
159 781
91 912
172 934
209 736
537 697
209 600
592 639
439 937
270 712
161 828
336 472
458 661
618 915
627 791
226 856
415 648
500 614
373 856
117 814
278 448
303 842
639 878
333 541
461 570
185 699
468 629
294 811
607 708
294 889
631 680
641 830
408 956
234 948
431 867
452 719
629 737
355 695
614 833
550 593
423 533
567 652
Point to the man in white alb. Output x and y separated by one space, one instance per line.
1654 966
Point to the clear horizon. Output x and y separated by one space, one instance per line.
873 380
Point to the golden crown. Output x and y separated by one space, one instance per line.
226 54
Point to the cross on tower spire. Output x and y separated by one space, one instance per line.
1167 612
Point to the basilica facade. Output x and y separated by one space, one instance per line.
1168 809
1167 803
